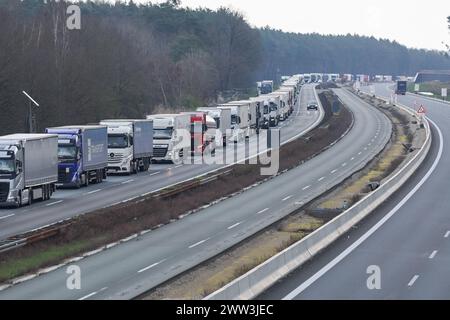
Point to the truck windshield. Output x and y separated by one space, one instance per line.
273 107
117 141
7 166
67 152
165 133
266 109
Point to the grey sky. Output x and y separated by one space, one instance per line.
415 23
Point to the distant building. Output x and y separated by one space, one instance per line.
432 75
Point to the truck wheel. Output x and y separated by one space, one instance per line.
19 201
30 196
44 193
86 180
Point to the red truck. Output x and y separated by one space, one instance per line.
202 133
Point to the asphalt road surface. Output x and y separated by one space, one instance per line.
406 240
132 268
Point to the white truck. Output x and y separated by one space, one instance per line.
290 90
130 145
252 113
223 122
239 120
171 137
284 104
28 168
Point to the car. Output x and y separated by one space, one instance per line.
312 106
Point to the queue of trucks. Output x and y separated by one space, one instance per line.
33 166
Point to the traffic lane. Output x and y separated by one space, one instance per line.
356 275
173 248
74 202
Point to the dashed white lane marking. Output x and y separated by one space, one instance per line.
234 225
359 153
9 215
262 211
151 266
53 203
93 191
344 164
447 234
178 166
88 295
320 179
414 279
365 148
305 188
154 173
433 254
198 243
128 181
353 158
334 171
93 293
287 198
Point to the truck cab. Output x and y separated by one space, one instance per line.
28 168
130 145
171 137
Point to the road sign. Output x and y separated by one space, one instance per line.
421 110
416 87
444 92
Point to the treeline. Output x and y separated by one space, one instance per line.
305 53
129 60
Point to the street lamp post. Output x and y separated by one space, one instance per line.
30 111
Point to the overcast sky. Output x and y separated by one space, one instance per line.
415 23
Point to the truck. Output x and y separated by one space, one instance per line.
82 154
239 120
223 122
266 86
274 109
259 112
171 137
284 104
202 141
130 145
290 91
401 87
253 118
28 168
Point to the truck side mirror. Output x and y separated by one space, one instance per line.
18 166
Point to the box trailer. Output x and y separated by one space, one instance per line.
171 137
28 168
130 145
82 154
223 122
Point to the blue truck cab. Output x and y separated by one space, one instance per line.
82 154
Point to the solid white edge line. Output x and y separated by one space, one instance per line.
372 230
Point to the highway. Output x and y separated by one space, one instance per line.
407 238
69 203
130 269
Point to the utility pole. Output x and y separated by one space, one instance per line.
31 127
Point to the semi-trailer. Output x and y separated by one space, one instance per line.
28 168
239 120
130 145
223 122
202 141
402 87
82 154
171 137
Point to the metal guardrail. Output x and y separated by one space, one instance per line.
266 274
